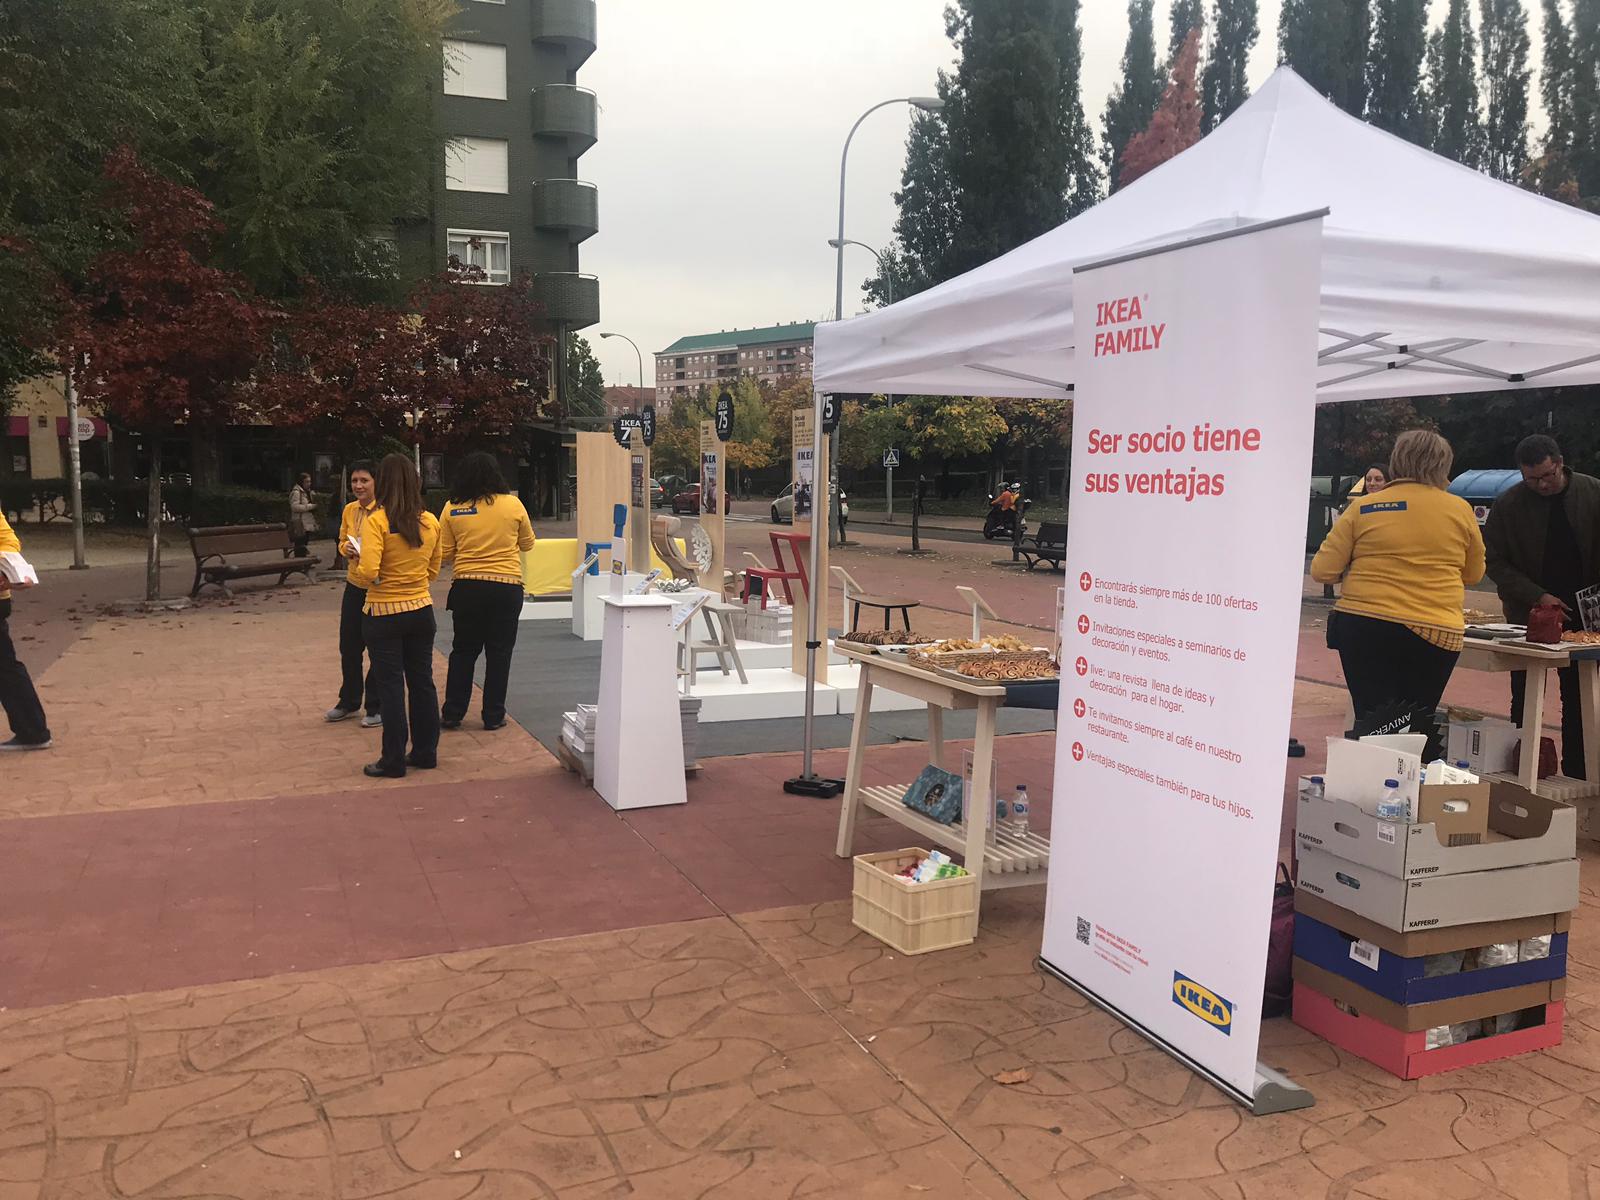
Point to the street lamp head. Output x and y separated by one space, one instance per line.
928 104
835 243
608 335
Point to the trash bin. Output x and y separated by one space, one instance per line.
1482 488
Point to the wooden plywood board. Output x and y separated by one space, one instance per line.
603 482
713 485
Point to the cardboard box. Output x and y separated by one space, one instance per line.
1406 1054
1356 771
1419 1018
1405 981
1486 745
1522 828
1438 940
1433 900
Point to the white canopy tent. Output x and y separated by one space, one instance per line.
1435 278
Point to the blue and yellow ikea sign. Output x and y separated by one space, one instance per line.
1202 1002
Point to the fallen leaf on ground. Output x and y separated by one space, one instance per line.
1017 1075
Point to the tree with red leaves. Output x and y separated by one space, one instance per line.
458 362
1176 124
169 339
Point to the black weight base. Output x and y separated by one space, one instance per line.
825 789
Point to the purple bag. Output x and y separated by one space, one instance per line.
1280 948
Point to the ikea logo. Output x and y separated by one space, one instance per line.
464 512
1378 506
1203 1003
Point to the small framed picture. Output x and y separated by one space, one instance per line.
324 473
433 470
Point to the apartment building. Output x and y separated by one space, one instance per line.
514 122
773 354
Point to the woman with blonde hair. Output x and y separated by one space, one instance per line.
1404 558
399 559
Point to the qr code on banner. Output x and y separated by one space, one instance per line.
1083 931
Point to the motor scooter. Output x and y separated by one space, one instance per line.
1003 516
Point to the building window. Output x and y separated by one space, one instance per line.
490 252
474 164
474 69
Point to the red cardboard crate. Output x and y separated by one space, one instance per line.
1403 1054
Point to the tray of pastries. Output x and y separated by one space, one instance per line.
875 641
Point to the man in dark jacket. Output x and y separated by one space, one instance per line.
1543 544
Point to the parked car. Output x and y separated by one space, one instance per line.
688 500
783 507
658 494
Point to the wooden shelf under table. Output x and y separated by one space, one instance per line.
1010 860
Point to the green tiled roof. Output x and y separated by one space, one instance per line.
734 339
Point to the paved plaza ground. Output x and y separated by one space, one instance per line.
231 966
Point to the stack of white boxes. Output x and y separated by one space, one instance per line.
773 624
577 735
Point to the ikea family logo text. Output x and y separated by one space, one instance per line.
1125 329
1202 1002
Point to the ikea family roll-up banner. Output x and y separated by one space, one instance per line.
1192 422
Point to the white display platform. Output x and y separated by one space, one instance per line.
589 594
759 656
546 610
778 692
639 697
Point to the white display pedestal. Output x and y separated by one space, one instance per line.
639 695
589 594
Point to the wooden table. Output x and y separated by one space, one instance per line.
1483 655
1010 860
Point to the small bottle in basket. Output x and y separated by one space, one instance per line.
1019 811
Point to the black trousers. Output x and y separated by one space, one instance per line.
21 703
401 647
485 614
1572 762
300 541
1388 668
351 646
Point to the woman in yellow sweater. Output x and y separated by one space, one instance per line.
1404 557
399 559
484 532
352 686
20 702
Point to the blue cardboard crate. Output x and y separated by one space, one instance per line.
1402 980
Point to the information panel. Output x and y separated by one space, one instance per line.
1192 425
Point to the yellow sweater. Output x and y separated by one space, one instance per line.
395 573
485 539
1405 555
350 524
8 541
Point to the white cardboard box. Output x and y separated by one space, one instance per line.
1486 746
1438 900
1523 828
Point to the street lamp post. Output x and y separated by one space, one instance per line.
807 783
636 352
928 104
888 295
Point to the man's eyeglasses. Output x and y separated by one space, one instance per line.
1549 472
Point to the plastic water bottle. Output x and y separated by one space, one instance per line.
1392 806
1019 810
1315 789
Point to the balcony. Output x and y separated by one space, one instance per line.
568 204
563 110
568 298
566 23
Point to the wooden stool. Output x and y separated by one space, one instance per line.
888 605
723 642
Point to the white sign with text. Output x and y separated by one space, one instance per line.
1192 423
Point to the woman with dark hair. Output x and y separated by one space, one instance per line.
353 686
1376 479
484 531
399 559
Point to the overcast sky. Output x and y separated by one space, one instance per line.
718 160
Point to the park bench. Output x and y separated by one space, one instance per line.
217 550
1049 545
